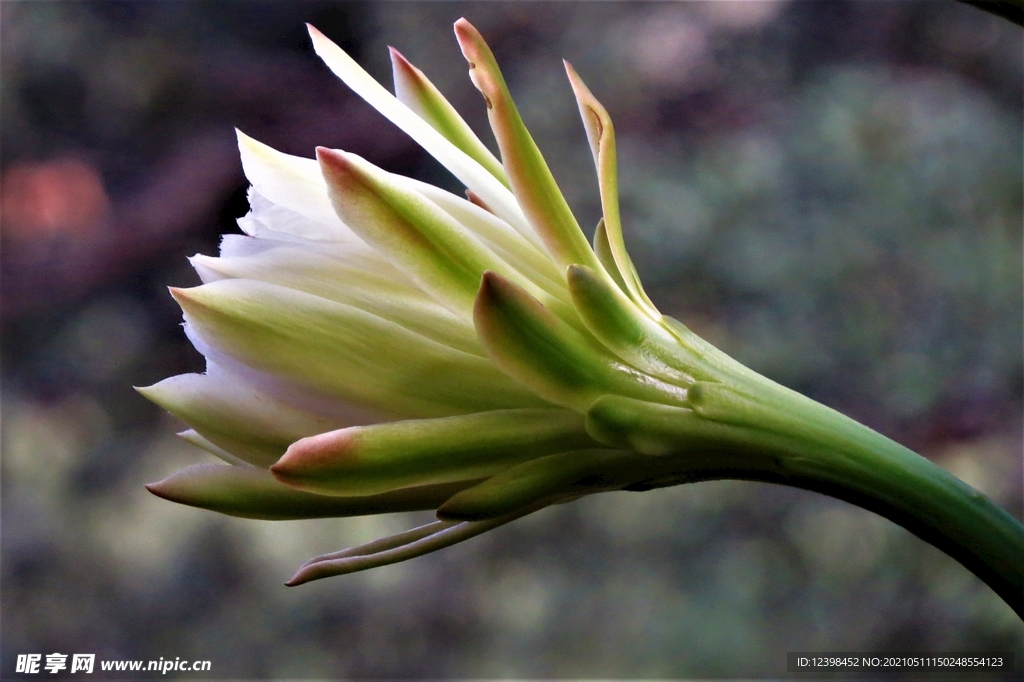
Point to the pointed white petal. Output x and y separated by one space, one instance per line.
333 408
288 182
365 281
341 351
468 171
192 436
234 416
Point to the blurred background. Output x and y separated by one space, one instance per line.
830 191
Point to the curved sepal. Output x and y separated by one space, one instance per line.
415 90
526 341
253 493
534 186
444 257
601 135
371 459
399 547
543 480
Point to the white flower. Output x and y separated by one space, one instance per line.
377 344
453 320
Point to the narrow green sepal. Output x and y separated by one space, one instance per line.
371 459
530 344
253 493
548 478
415 90
534 186
603 251
623 328
400 547
601 134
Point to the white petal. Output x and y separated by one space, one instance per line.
337 350
288 182
329 407
468 171
193 437
236 416
366 281
267 219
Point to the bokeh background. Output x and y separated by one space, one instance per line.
830 191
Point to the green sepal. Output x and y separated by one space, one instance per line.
362 460
558 363
534 186
601 135
546 478
624 329
253 493
415 90
420 238
603 251
399 547
646 427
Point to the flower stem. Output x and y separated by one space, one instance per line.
776 435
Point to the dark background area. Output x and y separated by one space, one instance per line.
830 191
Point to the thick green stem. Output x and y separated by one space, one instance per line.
783 437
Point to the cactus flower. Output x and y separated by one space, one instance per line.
377 344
